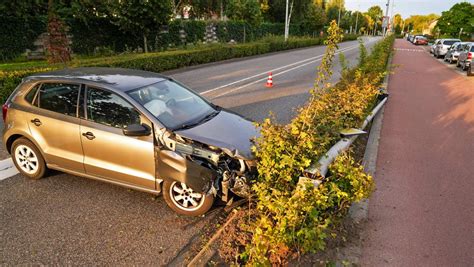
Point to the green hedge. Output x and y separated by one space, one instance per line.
18 34
161 61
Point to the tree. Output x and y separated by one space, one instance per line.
58 43
376 14
335 3
397 23
315 18
418 23
276 11
248 10
459 16
136 16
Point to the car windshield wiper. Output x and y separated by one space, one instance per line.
204 119
209 116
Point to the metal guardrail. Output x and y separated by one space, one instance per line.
320 168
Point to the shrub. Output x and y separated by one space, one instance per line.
292 219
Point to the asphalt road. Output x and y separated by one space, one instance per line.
64 219
422 213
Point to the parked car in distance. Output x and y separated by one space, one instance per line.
432 47
453 52
442 47
420 40
132 128
465 56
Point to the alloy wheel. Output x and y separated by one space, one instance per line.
26 159
185 198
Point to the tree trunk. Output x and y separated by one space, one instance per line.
145 46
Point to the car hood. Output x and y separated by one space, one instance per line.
230 132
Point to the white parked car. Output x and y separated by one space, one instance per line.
442 47
432 47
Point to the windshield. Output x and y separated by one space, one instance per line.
449 42
172 104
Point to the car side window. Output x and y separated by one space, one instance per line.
58 97
31 94
107 108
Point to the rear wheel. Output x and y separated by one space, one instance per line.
27 159
469 71
184 200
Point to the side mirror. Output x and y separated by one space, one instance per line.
137 130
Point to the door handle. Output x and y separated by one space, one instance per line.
36 122
88 135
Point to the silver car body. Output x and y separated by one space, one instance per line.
454 51
465 56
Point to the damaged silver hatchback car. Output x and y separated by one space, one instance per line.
132 128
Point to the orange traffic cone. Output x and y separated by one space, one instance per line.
269 81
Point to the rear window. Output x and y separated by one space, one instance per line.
450 42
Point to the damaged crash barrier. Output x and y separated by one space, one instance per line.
317 172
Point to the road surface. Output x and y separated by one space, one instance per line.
64 219
422 213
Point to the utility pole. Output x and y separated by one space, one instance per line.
286 21
384 30
392 24
357 20
339 15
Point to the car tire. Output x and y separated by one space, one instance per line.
469 71
28 159
178 196
458 64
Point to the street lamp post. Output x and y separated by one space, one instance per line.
385 19
339 15
286 21
357 20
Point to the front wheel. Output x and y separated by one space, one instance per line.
184 200
27 159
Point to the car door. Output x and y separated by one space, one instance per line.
108 153
462 53
54 124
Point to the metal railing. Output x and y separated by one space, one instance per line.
318 171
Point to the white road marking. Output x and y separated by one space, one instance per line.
7 169
283 72
409 50
272 70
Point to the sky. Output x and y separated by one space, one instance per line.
405 7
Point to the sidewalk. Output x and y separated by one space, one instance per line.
422 212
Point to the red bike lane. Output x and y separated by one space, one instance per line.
422 212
